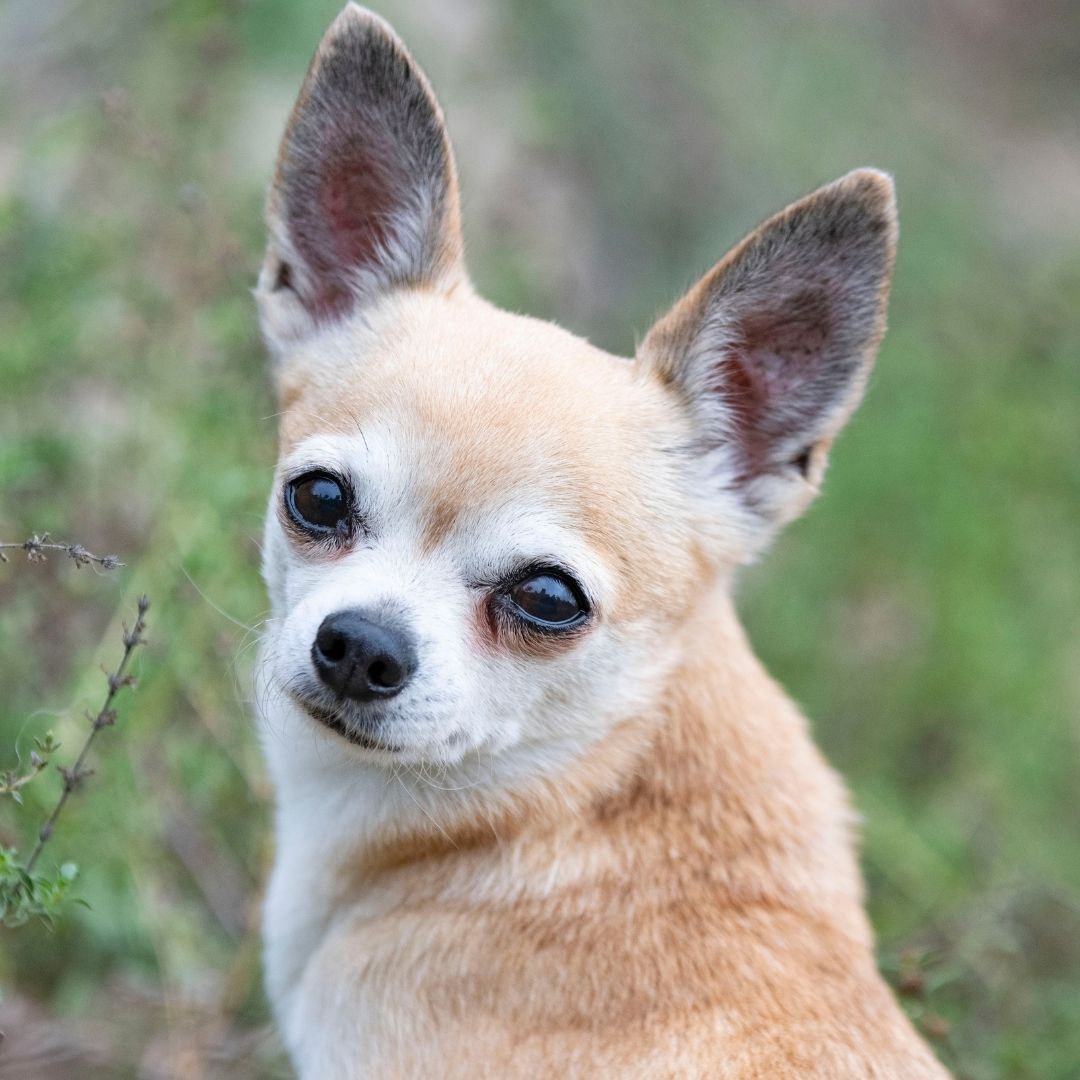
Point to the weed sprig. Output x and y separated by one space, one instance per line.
37 546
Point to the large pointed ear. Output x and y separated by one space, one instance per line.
364 198
771 350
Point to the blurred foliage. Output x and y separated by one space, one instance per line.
25 896
927 611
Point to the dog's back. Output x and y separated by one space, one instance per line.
540 811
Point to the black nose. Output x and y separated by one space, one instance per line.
362 659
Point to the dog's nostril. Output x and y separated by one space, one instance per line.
332 647
385 672
361 659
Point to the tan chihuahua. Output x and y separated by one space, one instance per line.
540 811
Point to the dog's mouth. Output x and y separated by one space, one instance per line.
339 724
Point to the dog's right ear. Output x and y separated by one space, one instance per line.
365 196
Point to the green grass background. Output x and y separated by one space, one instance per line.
926 612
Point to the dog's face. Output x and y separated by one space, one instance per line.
496 510
484 533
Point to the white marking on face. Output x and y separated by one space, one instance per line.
471 694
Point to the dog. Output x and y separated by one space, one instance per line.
539 809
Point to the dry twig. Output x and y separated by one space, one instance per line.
105 717
36 546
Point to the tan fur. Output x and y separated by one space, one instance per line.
683 903
681 898
686 905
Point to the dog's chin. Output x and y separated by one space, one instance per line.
374 745
337 719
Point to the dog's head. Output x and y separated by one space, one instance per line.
485 533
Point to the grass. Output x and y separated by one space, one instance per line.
927 611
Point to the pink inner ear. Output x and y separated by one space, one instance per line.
348 223
357 204
771 377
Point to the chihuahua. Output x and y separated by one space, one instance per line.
539 810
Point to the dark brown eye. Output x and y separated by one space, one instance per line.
549 600
317 503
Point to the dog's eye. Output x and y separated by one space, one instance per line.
549 599
317 503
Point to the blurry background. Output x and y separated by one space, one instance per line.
927 612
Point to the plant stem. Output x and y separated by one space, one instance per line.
36 547
106 717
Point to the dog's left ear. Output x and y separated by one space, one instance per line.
771 350
365 196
